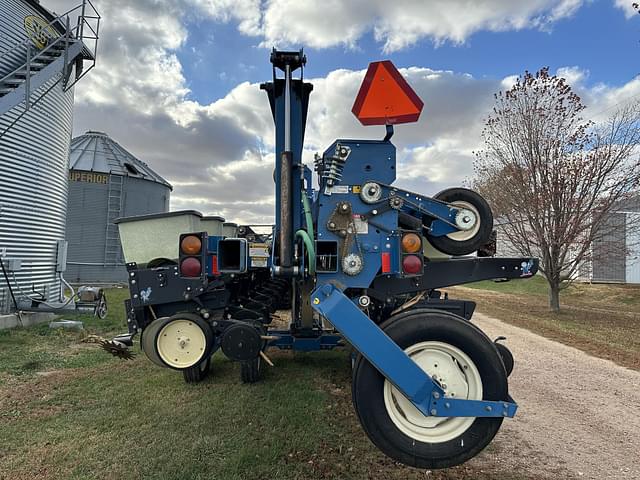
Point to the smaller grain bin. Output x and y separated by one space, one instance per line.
106 182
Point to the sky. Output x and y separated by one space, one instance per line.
177 81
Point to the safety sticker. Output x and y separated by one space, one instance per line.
361 224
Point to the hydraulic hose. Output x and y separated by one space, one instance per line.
307 215
311 253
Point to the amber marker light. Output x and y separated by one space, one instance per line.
191 245
411 243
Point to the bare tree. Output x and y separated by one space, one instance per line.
553 178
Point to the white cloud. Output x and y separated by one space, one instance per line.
402 23
627 7
219 156
574 75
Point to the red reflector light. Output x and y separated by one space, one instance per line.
412 264
386 262
190 267
191 245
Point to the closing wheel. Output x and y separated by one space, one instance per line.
465 363
475 222
197 373
178 342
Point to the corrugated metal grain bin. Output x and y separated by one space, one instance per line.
33 166
148 237
106 182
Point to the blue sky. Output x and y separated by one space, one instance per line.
598 38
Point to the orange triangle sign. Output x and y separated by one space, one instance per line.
385 97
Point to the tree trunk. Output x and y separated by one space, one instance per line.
554 297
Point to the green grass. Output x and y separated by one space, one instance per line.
25 351
533 286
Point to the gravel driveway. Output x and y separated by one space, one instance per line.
578 416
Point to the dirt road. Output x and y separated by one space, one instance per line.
579 416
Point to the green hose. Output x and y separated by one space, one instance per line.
311 253
307 235
307 215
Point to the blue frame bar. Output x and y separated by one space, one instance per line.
394 364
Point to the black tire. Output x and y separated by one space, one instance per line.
197 373
452 246
507 357
251 370
408 329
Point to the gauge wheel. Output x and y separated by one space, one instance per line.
251 370
466 364
465 241
181 341
197 373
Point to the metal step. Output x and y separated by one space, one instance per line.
17 95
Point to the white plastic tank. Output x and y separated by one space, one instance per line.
229 229
212 224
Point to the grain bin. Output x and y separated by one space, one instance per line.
34 148
106 182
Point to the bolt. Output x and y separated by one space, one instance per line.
488 408
375 212
436 395
447 405
504 413
332 225
345 207
434 412
135 295
133 274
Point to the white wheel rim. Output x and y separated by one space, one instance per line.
181 343
463 235
458 376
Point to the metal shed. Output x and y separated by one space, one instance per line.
106 182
